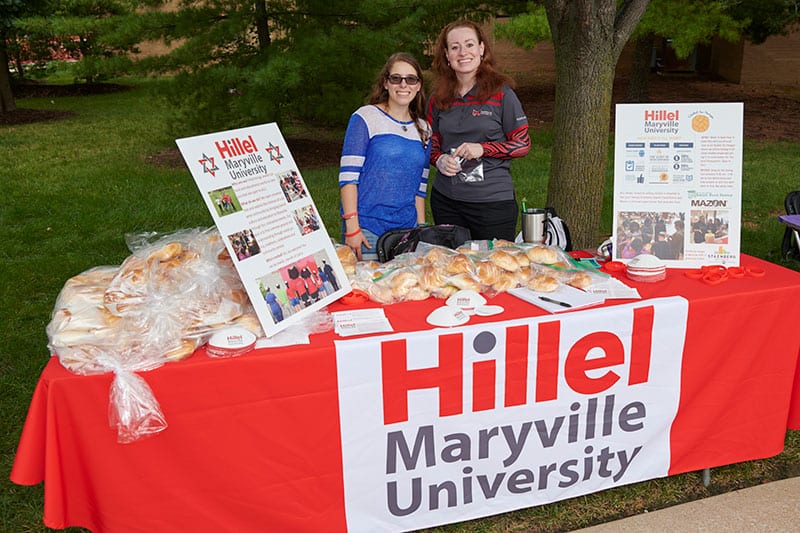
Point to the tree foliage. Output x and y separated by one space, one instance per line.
526 29
764 18
239 62
686 23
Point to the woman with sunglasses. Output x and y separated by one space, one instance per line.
476 118
383 174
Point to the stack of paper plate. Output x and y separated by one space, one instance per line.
646 268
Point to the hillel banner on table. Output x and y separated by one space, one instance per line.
268 220
453 424
678 183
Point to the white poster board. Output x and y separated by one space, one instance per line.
268 220
678 183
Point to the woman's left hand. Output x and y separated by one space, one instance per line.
469 151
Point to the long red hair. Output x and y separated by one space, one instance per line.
488 79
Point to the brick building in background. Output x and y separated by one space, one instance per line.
774 62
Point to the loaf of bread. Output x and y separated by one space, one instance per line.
504 260
488 273
580 280
464 281
542 254
401 283
347 258
506 281
543 283
459 264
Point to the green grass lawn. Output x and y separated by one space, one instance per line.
73 188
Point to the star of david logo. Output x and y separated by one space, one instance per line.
208 165
275 153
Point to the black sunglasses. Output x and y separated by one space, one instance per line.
397 79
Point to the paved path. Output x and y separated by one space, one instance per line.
773 507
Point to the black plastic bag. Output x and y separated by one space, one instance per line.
399 241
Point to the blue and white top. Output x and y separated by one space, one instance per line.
389 163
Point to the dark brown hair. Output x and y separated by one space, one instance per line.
380 95
488 79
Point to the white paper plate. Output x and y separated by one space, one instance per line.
489 310
447 316
466 300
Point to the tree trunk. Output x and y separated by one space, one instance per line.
7 103
262 25
588 37
638 85
580 142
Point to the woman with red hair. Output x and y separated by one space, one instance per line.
478 124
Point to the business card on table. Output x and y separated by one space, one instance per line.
564 298
614 289
360 321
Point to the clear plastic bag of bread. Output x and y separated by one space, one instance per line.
568 274
391 284
546 255
81 329
107 346
405 284
347 257
433 253
444 271
178 285
494 279
158 306
89 339
540 267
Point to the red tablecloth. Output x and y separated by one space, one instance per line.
254 444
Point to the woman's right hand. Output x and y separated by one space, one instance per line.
448 165
355 243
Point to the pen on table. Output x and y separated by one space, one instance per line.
557 302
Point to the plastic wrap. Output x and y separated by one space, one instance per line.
488 267
159 306
133 409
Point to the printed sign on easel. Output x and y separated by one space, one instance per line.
678 183
271 227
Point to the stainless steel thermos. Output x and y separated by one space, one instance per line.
533 225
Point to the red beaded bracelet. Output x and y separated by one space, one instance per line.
353 233
348 216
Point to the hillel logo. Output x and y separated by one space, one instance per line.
209 167
235 339
274 153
